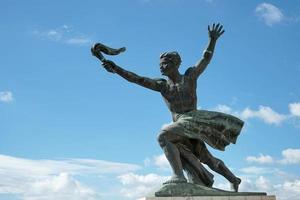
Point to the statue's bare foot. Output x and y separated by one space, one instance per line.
176 179
235 184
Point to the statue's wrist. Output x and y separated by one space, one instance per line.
213 38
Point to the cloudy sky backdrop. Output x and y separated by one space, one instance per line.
70 130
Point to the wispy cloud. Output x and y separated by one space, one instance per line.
6 96
289 156
261 159
257 170
270 181
223 108
293 188
65 34
79 40
264 113
295 109
269 13
60 187
159 161
54 179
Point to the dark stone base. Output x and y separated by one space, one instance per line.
189 189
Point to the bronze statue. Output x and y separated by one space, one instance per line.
183 141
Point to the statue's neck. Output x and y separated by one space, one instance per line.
175 77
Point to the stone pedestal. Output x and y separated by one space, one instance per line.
256 197
189 191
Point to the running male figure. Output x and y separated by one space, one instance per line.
191 128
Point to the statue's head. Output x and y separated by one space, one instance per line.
169 61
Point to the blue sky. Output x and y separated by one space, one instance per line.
69 129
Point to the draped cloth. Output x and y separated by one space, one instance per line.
214 128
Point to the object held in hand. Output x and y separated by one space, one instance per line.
99 48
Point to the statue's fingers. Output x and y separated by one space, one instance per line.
222 32
96 45
217 27
220 29
208 28
213 27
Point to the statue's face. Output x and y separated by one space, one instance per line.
166 66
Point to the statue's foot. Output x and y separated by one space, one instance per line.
235 184
176 179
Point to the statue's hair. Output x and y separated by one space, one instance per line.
172 56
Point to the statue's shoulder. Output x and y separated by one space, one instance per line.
189 71
163 83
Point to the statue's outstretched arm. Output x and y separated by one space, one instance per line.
149 83
214 33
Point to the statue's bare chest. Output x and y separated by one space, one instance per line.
181 92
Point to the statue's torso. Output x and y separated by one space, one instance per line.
180 97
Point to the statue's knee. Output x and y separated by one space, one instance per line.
161 138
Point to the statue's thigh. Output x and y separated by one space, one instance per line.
173 133
204 155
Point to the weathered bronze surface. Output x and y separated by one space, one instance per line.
184 141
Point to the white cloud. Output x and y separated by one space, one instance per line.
147 162
263 183
53 179
264 113
161 161
292 186
273 181
6 96
137 186
75 166
79 41
295 109
269 13
59 187
290 156
261 159
257 170
53 35
283 189
64 34
223 108
135 179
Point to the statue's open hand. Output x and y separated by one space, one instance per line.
216 31
109 65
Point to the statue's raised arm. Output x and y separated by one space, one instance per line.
110 66
214 33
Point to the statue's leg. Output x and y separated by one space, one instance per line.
196 172
216 165
167 140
